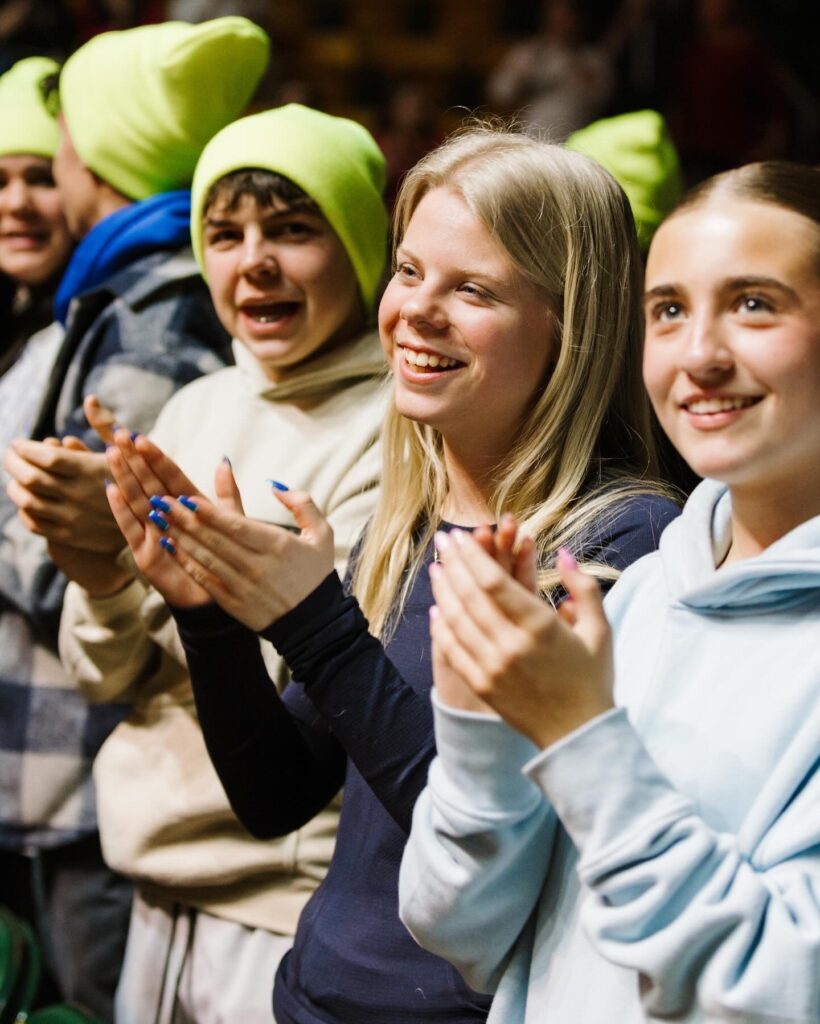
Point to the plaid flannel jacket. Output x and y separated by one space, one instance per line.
143 334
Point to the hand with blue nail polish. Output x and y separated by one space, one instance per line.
256 571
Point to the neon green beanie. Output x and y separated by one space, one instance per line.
26 126
334 160
140 104
639 154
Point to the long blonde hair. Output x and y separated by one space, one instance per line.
587 443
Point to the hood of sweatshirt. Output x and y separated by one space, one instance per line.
784 574
353 361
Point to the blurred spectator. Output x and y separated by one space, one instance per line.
410 131
726 105
559 81
258 11
29 27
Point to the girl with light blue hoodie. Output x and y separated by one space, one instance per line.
623 820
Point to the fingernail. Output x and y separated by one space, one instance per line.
434 612
441 541
459 537
566 559
226 460
158 520
168 544
434 568
134 435
158 502
183 499
106 483
278 486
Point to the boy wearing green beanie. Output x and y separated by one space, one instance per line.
136 109
290 232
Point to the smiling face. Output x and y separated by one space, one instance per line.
468 337
732 354
281 281
34 239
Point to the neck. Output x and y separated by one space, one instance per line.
470 490
761 517
108 202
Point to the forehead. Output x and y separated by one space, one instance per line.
732 238
19 163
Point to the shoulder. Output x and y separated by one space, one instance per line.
629 529
197 399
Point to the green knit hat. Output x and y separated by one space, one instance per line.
334 160
639 154
26 126
140 104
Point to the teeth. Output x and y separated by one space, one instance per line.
707 405
422 359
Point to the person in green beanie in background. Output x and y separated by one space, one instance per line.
34 241
639 153
34 248
290 231
136 109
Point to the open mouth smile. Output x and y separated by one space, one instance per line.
269 312
428 362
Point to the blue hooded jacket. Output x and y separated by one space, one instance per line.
663 861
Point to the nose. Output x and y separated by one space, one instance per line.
258 256
15 196
708 355
423 308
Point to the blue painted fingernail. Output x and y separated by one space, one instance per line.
168 544
277 485
188 502
134 435
226 460
106 483
158 520
158 502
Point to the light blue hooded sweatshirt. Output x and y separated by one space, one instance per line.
662 863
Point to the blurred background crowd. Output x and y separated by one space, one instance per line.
738 80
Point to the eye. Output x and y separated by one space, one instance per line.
754 304
223 236
40 176
666 312
406 270
293 230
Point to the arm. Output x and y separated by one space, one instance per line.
479 849
384 725
730 923
254 737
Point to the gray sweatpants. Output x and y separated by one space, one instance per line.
183 966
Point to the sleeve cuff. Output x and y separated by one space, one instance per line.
321 606
604 785
106 610
480 761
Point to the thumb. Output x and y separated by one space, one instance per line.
74 444
300 505
525 566
100 418
228 497
587 606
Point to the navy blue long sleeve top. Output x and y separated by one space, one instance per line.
357 714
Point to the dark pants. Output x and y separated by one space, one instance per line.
80 910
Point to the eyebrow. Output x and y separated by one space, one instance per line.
222 222
731 285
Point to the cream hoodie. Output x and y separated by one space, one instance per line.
164 818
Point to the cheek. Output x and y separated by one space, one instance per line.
388 316
658 373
